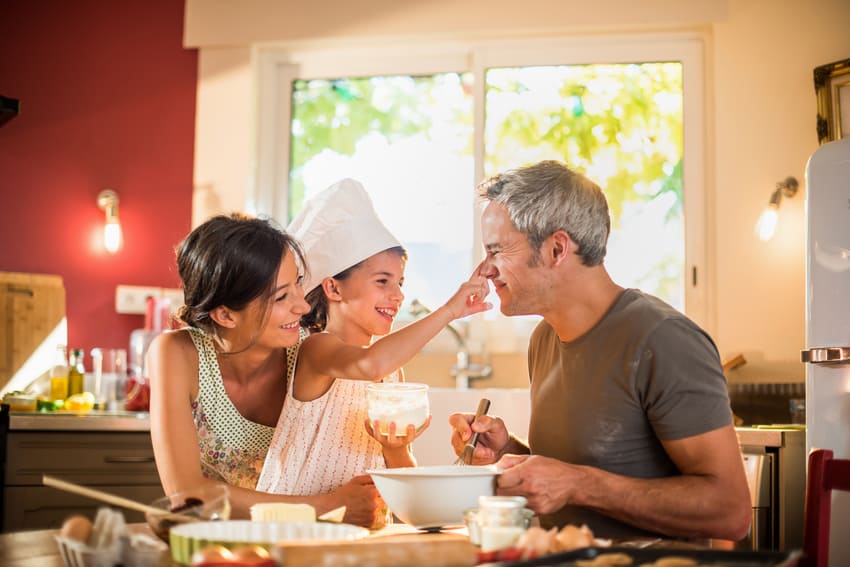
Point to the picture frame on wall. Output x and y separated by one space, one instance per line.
832 87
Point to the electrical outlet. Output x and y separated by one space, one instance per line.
132 299
174 294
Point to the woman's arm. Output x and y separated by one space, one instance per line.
173 368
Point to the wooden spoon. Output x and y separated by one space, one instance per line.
115 500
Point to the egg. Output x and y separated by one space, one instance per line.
76 527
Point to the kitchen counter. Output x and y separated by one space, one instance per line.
93 421
111 451
771 436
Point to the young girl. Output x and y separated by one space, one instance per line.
355 270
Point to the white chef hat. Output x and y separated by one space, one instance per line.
339 228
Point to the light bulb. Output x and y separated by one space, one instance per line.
112 237
766 225
107 201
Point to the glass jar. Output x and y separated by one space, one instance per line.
59 375
401 402
501 519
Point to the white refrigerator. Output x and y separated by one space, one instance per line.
827 353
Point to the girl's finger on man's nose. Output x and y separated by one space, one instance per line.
479 269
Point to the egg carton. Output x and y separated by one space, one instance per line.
110 544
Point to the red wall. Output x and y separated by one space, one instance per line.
107 97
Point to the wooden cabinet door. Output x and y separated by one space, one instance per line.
43 507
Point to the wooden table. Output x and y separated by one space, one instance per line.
30 549
38 548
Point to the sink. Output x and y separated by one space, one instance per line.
434 447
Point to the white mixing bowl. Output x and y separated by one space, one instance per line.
435 496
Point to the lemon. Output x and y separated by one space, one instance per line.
79 403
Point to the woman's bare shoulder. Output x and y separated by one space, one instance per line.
172 362
175 348
174 339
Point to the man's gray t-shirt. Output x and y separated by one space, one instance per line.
643 373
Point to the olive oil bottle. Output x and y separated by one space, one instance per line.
59 375
76 372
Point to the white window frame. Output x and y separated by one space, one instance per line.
279 66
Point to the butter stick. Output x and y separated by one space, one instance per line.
282 512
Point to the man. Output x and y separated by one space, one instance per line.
631 430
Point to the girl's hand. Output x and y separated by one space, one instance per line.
391 440
469 298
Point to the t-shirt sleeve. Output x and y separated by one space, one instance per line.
683 388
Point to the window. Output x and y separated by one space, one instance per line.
420 131
408 139
621 124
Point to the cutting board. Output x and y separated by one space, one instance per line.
413 550
31 307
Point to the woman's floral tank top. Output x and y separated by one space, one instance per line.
233 448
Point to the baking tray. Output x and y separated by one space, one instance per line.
707 557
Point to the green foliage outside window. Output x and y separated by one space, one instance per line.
620 124
333 115
615 113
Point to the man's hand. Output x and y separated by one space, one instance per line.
493 436
546 483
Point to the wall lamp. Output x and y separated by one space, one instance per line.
766 225
107 201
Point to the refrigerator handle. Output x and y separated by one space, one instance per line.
826 355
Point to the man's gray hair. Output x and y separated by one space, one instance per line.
548 196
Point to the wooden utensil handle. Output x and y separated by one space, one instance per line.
469 448
483 408
113 499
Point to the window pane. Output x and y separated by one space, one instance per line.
621 125
408 139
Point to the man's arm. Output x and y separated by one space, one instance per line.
709 499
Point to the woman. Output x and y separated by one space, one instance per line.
218 385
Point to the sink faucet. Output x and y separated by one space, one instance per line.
463 371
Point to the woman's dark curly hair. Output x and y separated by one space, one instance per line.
230 260
317 319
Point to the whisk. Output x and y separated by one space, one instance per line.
465 457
